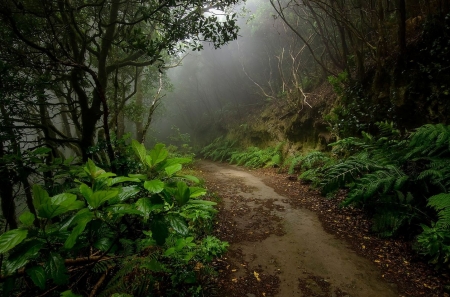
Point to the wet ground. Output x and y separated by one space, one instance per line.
280 249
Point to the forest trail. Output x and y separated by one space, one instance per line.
276 247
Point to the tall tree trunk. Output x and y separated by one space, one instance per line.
139 102
7 193
401 17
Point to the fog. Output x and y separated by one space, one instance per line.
213 87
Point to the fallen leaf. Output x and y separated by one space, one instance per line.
256 274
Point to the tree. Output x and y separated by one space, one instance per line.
81 45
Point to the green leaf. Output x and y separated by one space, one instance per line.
106 175
196 191
68 201
100 197
160 231
56 270
191 178
127 192
139 176
146 206
69 293
21 255
49 211
173 161
121 295
27 218
86 191
121 209
82 218
103 243
122 179
178 224
170 251
37 275
159 153
204 202
41 151
182 194
170 170
154 186
148 161
11 238
139 150
40 196
63 199
93 170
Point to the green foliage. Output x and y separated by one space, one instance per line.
311 166
254 157
403 182
219 150
112 221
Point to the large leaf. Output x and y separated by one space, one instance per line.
100 197
59 204
204 202
191 178
122 179
138 176
127 192
93 170
86 191
196 191
160 231
146 206
170 170
178 224
122 209
82 218
49 210
63 199
158 153
27 218
182 194
154 186
139 149
40 196
22 254
104 243
56 270
11 238
37 275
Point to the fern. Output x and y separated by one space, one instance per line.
219 150
132 277
430 140
255 157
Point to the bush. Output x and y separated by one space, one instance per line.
139 229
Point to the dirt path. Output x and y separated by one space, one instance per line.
278 250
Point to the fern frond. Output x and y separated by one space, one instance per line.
430 140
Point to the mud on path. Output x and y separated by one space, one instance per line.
280 250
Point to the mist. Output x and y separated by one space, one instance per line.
213 88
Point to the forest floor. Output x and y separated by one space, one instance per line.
287 240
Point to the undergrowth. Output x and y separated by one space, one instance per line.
255 157
402 181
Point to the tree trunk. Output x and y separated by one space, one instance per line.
401 16
140 103
7 194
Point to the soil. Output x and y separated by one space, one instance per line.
287 240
